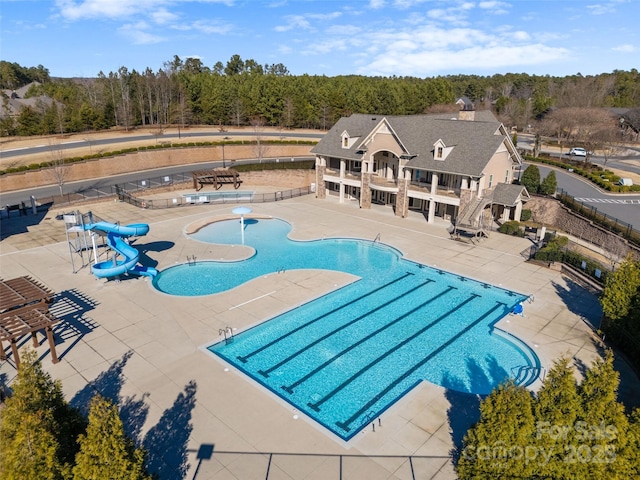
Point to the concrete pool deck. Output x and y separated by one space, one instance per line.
145 349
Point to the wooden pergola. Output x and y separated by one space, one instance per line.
24 308
217 178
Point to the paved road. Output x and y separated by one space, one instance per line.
624 207
146 137
102 187
629 162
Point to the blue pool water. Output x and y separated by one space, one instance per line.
346 357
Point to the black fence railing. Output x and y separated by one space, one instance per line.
210 198
605 221
570 255
99 192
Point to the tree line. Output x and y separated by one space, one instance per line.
187 92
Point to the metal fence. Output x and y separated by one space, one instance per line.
88 194
101 191
605 221
207 198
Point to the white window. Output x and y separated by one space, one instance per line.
490 180
439 154
506 177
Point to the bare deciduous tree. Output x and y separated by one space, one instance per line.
260 149
58 170
611 141
582 127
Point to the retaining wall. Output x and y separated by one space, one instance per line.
145 160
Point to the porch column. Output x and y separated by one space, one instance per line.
365 189
518 213
343 167
341 191
432 211
434 184
321 167
402 197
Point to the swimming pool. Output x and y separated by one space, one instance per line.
346 357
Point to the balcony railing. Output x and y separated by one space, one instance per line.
440 189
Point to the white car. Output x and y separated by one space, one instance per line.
578 152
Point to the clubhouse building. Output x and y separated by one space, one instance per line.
459 167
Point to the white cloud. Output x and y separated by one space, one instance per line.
430 62
497 8
375 4
454 15
138 34
302 21
324 16
604 8
211 27
293 21
163 17
72 10
521 36
405 4
626 48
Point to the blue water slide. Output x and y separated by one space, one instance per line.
130 256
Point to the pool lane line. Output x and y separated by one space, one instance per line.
244 358
345 425
265 373
289 388
252 300
316 406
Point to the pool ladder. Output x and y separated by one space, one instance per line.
377 239
224 332
191 259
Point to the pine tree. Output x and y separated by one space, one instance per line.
549 184
496 446
105 450
531 179
603 430
633 447
37 428
622 288
557 408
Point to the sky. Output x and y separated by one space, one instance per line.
418 38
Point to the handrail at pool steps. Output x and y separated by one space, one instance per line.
200 198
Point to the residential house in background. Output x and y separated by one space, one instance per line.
456 166
13 101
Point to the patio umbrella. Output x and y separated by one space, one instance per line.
242 211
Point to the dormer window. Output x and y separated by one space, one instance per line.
440 150
347 140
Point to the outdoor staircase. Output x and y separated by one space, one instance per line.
469 219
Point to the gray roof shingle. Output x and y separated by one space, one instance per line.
508 194
474 142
